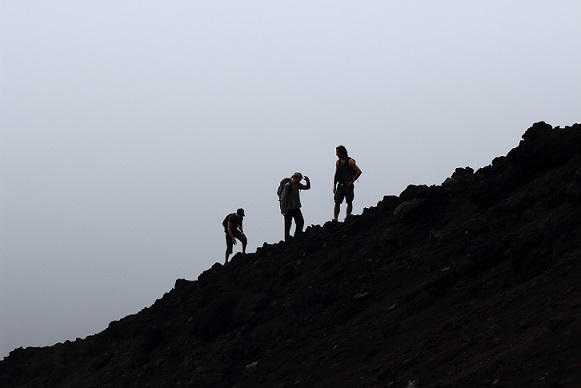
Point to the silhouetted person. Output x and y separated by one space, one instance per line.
346 172
290 204
233 229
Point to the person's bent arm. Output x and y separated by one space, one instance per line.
357 170
230 232
284 198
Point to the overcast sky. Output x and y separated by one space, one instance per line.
130 128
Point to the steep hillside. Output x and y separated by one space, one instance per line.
475 282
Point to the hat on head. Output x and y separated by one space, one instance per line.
240 211
297 174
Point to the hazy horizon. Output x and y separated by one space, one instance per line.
128 130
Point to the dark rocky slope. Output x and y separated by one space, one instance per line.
475 282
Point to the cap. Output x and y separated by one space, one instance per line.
297 174
240 211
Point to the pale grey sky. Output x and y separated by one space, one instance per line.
129 129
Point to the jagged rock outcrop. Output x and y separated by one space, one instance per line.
471 283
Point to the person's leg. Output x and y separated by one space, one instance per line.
243 240
288 217
228 248
339 195
349 196
299 222
349 209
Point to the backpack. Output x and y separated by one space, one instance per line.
281 187
225 222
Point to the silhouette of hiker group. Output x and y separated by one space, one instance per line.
346 173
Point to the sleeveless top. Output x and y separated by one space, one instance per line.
344 172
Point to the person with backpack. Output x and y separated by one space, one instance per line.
233 229
346 172
290 203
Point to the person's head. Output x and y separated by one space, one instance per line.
240 212
296 177
341 152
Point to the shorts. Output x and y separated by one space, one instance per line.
344 192
229 244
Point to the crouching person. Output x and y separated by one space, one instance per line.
233 229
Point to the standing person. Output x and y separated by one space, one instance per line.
346 172
290 204
233 229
